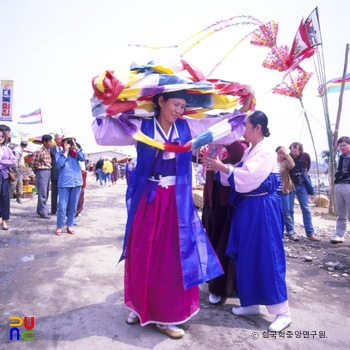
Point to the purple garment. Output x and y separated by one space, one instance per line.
128 171
7 161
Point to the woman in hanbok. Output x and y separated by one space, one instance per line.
217 224
167 253
255 241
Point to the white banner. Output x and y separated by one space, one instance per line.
6 100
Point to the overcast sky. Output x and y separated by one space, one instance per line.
52 49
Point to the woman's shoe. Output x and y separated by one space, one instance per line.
281 322
70 230
4 225
58 232
132 318
171 331
214 299
246 310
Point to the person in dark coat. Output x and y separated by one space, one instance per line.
54 173
99 166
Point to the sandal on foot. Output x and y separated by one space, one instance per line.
171 331
69 230
132 318
58 232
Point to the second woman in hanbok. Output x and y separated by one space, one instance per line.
255 241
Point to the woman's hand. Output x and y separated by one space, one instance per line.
214 164
66 146
282 152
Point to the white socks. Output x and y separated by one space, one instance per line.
281 322
171 327
214 299
133 314
246 310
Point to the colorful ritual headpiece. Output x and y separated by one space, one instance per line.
133 97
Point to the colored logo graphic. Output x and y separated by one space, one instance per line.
16 322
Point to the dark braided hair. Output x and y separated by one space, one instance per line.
260 118
166 95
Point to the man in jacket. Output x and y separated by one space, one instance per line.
54 173
41 166
284 164
342 189
302 162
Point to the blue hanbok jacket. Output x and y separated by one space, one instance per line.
198 259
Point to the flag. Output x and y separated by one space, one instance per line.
31 118
334 85
301 48
312 27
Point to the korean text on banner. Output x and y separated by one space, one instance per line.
6 100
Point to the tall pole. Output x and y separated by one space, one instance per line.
321 76
333 150
320 69
340 105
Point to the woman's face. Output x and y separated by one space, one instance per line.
171 109
2 137
251 133
280 155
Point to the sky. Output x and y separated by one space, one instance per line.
53 49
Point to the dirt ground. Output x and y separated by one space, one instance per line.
333 258
73 287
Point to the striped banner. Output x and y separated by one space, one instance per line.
334 85
31 118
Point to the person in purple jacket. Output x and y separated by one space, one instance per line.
7 160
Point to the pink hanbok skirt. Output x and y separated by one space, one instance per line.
153 276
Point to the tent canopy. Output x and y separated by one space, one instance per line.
37 139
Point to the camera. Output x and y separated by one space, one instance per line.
70 141
339 175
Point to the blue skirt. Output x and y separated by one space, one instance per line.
256 245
